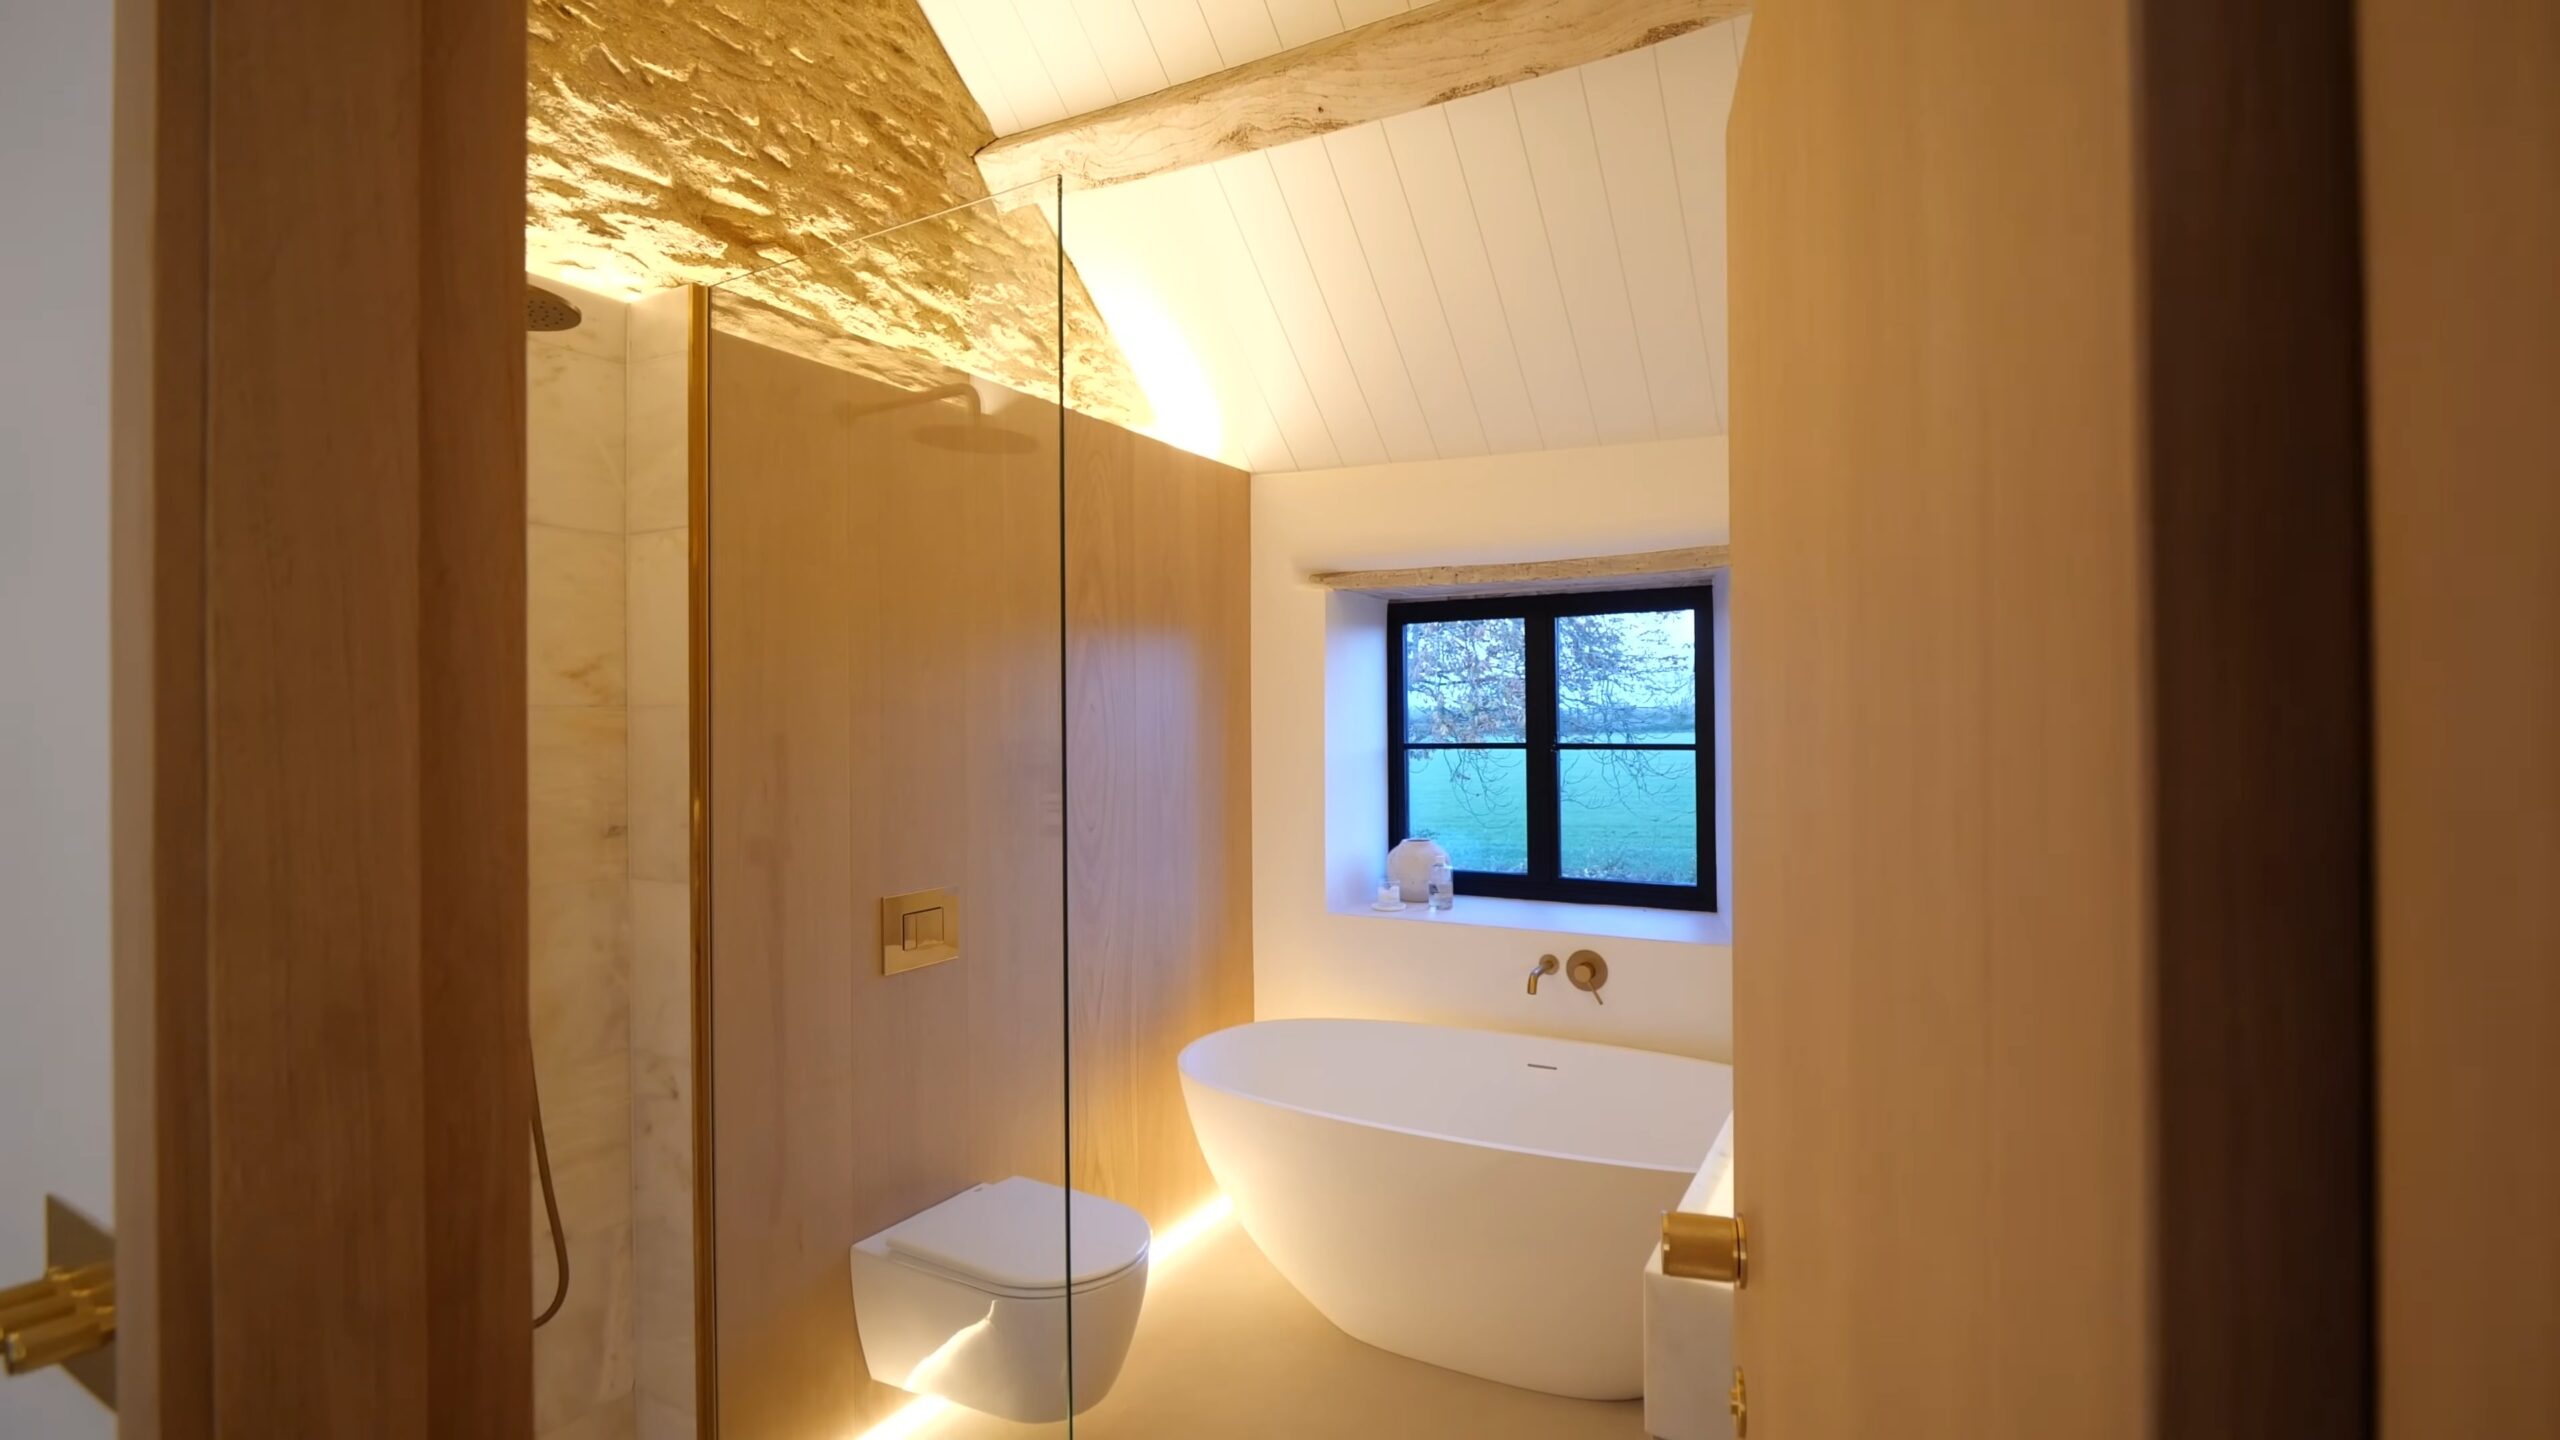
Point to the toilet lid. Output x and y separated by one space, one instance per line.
1008 1235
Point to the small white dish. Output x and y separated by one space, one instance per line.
1387 909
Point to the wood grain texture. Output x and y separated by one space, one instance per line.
1426 56
786 949
1939 800
320 841
2462 217
2253 445
163 1137
312 765
1694 565
884 719
1159 731
2049 707
886 694
2049 680
473 996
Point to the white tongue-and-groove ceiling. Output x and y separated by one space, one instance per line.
1540 266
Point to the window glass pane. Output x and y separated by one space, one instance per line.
1627 679
1629 815
1474 802
1466 681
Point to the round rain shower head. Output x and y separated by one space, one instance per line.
548 310
977 439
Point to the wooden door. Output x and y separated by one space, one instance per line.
2050 715
2461 104
319 760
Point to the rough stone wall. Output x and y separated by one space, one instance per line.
692 141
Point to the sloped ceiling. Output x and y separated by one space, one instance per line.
678 142
1538 266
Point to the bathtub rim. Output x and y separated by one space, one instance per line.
1190 1077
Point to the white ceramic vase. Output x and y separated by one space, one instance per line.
1409 866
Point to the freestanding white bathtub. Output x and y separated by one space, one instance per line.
1479 1201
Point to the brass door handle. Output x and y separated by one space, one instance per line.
1704 1247
65 1315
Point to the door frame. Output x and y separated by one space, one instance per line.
318 745
2462 339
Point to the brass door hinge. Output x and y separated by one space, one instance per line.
67 1313
1740 1404
68 1316
1704 1247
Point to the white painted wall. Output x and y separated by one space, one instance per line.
55 1123
1318 808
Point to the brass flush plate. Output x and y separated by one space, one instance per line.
919 928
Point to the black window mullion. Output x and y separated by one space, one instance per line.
1632 745
1702 731
1397 775
1546 819
1543 750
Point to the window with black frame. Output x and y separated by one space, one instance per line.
1558 746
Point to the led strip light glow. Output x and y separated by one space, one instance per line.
917 1416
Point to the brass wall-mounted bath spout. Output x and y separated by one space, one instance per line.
1546 966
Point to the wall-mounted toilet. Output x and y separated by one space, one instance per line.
970 1300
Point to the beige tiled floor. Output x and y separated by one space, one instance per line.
1226 1349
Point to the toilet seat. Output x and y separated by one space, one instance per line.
1005 1239
989 1302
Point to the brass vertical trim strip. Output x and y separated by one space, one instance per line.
706 1310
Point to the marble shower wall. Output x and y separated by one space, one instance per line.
661 1036
580 965
605 551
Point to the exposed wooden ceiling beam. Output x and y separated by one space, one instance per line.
1426 56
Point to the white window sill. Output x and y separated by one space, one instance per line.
1554 917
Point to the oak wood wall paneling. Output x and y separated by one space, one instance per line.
784 928
320 813
1989 750
2462 218
1160 780
2259 716
886 694
884 686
